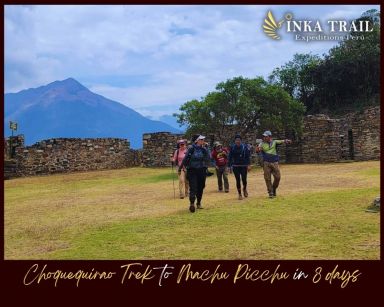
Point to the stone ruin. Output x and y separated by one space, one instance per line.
354 137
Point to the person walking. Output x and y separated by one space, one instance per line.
240 163
220 157
271 161
177 158
196 161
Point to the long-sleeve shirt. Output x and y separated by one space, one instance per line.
220 157
196 157
179 155
239 156
268 150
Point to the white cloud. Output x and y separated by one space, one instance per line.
182 51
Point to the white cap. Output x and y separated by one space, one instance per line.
200 137
267 133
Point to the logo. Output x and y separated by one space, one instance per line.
271 26
315 30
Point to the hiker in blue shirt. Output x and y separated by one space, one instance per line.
196 161
240 163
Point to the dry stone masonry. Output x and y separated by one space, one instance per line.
355 136
159 147
74 154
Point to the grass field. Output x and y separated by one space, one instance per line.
131 214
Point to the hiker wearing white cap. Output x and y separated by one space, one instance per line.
271 161
178 157
196 161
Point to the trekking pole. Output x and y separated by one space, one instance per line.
173 182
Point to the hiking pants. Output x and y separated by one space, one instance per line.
240 171
183 183
221 174
271 168
196 178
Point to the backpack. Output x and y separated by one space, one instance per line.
190 153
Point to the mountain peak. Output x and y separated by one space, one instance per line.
66 108
69 84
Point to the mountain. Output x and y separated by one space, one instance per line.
68 109
172 121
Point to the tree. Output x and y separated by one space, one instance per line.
246 103
296 77
343 80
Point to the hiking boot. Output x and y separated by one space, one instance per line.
240 197
181 197
226 191
192 208
271 195
199 206
245 192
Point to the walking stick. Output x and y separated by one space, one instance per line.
173 182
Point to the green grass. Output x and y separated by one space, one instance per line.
295 227
131 214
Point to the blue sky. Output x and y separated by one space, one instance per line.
151 58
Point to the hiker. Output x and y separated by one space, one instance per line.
178 157
196 161
240 163
271 161
220 157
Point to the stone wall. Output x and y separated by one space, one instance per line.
366 134
158 148
355 136
324 139
74 154
320 141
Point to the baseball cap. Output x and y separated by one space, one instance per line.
200 137
267 133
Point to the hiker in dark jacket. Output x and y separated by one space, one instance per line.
196 160
240 163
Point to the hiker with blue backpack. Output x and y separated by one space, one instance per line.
271 161
239 162
196 161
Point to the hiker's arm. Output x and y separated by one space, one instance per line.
259 147
207 158
286 141
213 154
185 160
230 158
247 157
174 156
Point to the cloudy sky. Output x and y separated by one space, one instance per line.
151 58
